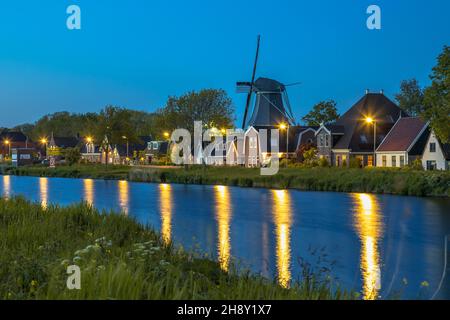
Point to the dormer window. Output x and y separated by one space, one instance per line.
363 138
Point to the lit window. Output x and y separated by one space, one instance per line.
370 161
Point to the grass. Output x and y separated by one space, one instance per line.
119 259
372 180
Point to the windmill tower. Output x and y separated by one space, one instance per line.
271 106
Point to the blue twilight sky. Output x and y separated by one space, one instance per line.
135 53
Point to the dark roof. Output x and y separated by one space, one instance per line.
141 145
446 150
66 142
14 136
269 108
403 134
358 135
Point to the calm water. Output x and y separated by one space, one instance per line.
373 244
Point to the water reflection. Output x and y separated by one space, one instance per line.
367 220
43 192
282 212
6 187
223 217
88 186
123 196
165 203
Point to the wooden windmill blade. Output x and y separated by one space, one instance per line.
252 83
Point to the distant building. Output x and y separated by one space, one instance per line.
436 155
90 152
404 143
352 137
13 139
23 156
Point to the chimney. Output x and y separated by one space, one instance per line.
367 91
382 91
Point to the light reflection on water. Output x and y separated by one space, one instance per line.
43 191
368 224
165 204
88 186
6 186
223 217
283 220
264 227
123 196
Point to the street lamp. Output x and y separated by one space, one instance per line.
167 135
284 126
124 137
372 121
44 142
8 143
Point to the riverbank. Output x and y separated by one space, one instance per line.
119 259
371 180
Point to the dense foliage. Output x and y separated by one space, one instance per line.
213 107
323 112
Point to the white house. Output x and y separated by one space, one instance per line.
403 144
436 155
252 148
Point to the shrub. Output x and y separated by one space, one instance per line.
355 163
72 156
323 162
416 164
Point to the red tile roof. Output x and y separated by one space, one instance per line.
402 135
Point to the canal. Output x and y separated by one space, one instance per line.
382 246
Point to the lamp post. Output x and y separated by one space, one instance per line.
167 135
283 127
44 142
372 121
124 137
8 143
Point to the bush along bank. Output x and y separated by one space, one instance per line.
372 180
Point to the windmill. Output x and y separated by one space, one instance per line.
272 105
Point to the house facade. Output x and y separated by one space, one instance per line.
352 136
436 155
403 144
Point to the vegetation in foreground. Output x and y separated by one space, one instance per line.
405 181
119 259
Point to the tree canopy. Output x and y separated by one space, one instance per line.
322 112
411 97
437 97
211 106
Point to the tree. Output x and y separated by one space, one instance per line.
213 107
323 112
410 98
72 155
116 123
310 156
437 97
